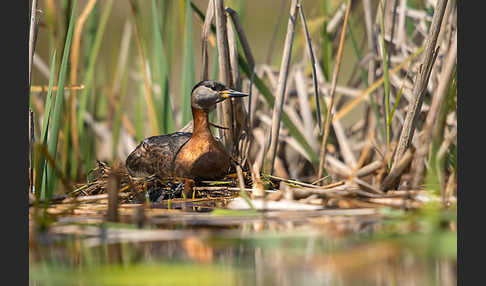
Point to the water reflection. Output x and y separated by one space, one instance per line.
325 252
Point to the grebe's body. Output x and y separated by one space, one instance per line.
196 155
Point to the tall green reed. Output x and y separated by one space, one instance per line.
166 120
188 69
89 85
57 119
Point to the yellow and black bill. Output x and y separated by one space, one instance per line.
232 93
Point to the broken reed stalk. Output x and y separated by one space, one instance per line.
204 39
391 179
420 85
224 112
437 100
113 186
331 92
368 169
282 84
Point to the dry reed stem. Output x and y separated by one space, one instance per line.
395 173
431 119
225 108
238 113
31 150
336 19
32 35
122 56
449 139
122 59
305 108
366 149
251 63
331 92
351 105
233 56
343 90
366 186
368 169
282 84
390 22
346 150
44 88
204 45
41 66
91 198
371 46
74 72
450 189
337 166
148 95
291 181
420 85
208 188
113 186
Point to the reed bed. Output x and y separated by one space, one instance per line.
382 134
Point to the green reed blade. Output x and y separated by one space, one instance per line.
119 113
386 80
48 105
88 79
58 107
139 111
188 69
40 170
166 121
327 42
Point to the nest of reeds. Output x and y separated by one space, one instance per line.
153 188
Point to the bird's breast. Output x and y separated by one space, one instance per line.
203 158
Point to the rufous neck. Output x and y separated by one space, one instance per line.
200 121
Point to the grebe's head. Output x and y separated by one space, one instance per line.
207 93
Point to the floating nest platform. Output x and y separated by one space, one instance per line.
166 192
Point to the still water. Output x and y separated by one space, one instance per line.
246 249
